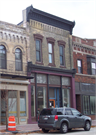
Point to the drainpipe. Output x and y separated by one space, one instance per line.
70 51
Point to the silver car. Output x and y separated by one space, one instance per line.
63 119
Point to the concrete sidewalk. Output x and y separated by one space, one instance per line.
30 128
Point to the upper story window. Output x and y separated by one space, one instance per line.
38 50
51 51
18 59
2 57
79 65
62 52
91 65
38 42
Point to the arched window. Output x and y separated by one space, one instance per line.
18 59
2 57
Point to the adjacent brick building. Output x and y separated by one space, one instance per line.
84 57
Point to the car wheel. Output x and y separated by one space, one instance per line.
87 126
64 128
44 130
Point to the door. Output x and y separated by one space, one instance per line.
54 97
78 119
52 103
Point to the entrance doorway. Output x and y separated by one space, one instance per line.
54 97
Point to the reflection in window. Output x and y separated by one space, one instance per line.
41 78
66 97
41 98
93 104
79 64
38 50
93 65
32 101
12 103
2 57
18 60
22 103
86 108
61 51
50 53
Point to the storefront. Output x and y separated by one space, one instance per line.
51 87
86 99
14 98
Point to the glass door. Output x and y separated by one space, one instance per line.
54 97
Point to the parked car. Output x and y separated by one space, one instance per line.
63 119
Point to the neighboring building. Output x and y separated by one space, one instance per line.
84 56
51 61
14 55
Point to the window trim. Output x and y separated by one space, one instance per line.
40 38
51 41
89 105
81 66
20 59
5 57
62 43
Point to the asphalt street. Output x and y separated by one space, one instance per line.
75 132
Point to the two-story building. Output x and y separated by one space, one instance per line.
84 56
14 55
51 61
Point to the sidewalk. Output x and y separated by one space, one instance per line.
30 128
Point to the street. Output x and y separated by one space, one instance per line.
75 132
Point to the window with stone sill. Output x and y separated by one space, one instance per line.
79 65
38 42
18 59
61 45
38 50
91 65
2 57
51 42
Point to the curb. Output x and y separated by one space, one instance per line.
18 132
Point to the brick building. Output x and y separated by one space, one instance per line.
84 56
51 61
14 46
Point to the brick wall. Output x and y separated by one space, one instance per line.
53 32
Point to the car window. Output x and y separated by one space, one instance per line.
48 112
68 112
59 111
75 112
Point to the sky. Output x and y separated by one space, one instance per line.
83 12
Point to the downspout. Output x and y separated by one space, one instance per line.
70 52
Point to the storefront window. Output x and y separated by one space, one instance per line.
41 98
41 78
12 103
66 81
33 101
93 104
32 80
66 97
22 103
54 80
86 105
3 97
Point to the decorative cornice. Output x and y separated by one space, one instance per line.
38 15
50 39
38 36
